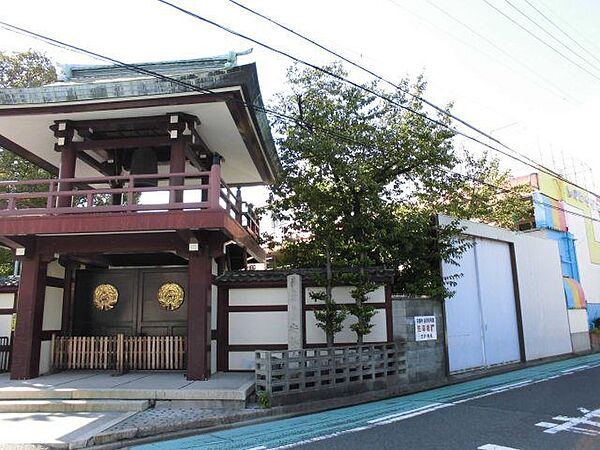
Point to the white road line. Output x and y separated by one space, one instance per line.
575 369
495 447
546 424
260 447
508 386
551 428
403 413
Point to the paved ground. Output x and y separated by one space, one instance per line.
553 406
81 380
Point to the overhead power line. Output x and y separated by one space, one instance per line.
309 127
520 158
555 25
495 46
524 14
542 41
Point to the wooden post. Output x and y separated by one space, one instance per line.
238 206
30 309
68 158
120 354
177 165
214 183
198 341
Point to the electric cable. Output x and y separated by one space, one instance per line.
308 126
499 11
534 164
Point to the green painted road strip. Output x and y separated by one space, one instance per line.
295 431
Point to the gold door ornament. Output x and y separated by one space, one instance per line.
170 296
106 297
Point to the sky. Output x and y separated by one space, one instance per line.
500 78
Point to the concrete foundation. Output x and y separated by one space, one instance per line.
580 342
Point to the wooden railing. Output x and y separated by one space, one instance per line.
120 194
120 353
284 372
4 353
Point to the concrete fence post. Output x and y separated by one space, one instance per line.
294 308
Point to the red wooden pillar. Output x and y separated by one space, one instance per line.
68 158
177 165
214 183
30 309
199 297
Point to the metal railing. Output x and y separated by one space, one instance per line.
284 372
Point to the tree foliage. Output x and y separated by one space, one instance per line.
362 178
21 70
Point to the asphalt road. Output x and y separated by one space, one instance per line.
506 420
550 406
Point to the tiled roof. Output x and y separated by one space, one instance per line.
250 276
9 281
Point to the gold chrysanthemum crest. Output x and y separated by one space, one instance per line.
106 297
170 296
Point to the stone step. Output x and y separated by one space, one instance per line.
60 405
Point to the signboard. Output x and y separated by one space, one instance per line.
425 329
13 322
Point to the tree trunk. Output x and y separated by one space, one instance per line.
328 288
329 337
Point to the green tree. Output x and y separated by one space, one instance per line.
21 70
367 198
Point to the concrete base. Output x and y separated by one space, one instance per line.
223 390
581 342
63 406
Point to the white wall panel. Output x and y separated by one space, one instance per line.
578 321
463 315
269 327
7 300
341 294
497 294
315 335
5 321
258 296
52 309
543 307
214 292
241 361
45 357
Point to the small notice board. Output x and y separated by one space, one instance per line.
425 328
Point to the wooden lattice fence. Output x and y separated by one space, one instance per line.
120 353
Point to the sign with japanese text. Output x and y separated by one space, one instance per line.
425 328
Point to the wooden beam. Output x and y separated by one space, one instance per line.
131 142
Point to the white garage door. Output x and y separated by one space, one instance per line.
481 318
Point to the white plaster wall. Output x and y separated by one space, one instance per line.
578 320
214 291
52 309
214 267
269 327
341 294
55 270
315 335
241 361
5 321
7 300
45 357
543 307
258 296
